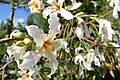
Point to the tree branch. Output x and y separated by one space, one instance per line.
10 20
100 17
10 39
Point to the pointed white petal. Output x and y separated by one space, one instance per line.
96 61
79 32
111 3
87 65
51 2
115 13
29 60
67 15
16 51
76 5
30 78
36 33
47 11
31 72
54 23
84 28
53 63
19 79
60 2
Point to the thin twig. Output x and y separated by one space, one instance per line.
10 39
6 64
3 68
3 73
106 49
100 17
96 44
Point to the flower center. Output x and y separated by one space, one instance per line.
57 7
35 5
46 45
25 77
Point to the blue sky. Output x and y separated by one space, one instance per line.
19 13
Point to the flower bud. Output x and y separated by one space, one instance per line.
27 41
20 43
17 34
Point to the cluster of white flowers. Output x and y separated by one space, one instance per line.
116 5
92 56
47 44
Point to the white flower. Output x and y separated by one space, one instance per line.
35 6
105 30
54 22
75 5
95 56
116 5
79 58
46 45
81 29
25 75
17 52
57 8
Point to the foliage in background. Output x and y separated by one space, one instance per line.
90 10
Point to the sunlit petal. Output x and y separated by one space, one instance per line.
35 6
37 34
29 60
105 30
79 32
51 2
17 52
54 23
53 65
47 11
115 13
76 5
67 15
60 2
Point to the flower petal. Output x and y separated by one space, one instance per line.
47 11
105 29
16 51
115 13
67 15
79 58
54 22
51 2
79 32
37 34
53 63
75 6
29 60
60 2
34 10
81 24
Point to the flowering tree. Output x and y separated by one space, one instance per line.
77 44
